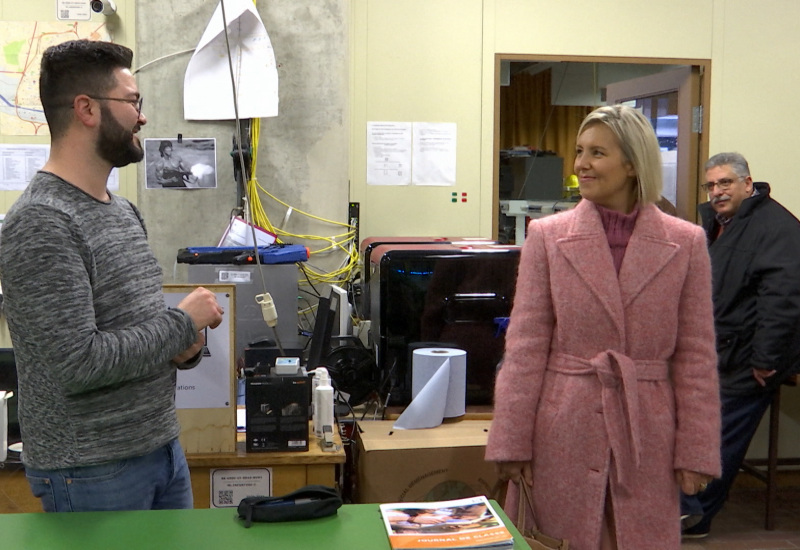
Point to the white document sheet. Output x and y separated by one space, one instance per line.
19 163
388 153
434 155
207 89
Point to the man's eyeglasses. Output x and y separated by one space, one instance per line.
137 103
723 184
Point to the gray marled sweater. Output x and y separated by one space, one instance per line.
92 335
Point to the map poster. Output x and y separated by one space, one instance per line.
21 47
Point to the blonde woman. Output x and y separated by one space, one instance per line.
607 403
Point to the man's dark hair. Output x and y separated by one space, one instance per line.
77 67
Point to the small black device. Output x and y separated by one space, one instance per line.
261 359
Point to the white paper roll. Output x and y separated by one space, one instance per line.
425 362
438 388
4 424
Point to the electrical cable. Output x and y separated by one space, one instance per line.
162 58
255 214
267 306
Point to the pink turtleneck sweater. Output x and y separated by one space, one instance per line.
618 228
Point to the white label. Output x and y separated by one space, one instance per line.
74 10
229 487
234 276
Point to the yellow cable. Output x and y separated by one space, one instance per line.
343 242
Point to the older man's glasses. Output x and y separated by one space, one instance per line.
723 184
137 103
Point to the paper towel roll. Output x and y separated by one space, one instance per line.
424 364
438 386
4 396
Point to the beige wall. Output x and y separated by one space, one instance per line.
756 75
434 61
419 61
122 31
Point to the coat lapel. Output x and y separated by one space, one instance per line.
649 251
586 249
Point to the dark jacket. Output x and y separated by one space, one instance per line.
755 266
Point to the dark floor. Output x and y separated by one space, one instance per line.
740 525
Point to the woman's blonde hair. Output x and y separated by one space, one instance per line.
639 144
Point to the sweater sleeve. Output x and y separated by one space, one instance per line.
49 271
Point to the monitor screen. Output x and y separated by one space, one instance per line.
323 329
8 382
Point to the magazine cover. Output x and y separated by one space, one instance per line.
457 524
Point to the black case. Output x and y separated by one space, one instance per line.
309 502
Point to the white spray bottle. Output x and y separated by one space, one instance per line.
323 408
320 374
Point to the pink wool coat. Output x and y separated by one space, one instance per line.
609 381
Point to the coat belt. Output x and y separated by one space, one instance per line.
616 370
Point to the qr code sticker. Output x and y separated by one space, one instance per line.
225 497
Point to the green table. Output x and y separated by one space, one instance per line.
355 527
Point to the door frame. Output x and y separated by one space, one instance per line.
701 66
686 82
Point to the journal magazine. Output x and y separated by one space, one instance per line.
451 524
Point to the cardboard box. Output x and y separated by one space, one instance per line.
441 463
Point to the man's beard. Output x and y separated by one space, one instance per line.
116 144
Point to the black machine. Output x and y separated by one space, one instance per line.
441 295
350 365
277 406
371 243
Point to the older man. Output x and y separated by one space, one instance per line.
754 244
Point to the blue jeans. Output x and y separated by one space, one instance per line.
741 415
157 481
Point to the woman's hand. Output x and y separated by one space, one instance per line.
692 483
514 471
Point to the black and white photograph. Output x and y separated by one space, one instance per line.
188 163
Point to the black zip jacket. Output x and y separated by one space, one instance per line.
755 266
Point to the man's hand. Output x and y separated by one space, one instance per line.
761 375
692 483
202 307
